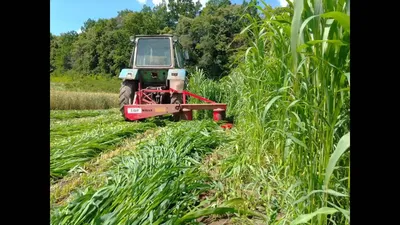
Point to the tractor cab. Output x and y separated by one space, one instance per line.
163 51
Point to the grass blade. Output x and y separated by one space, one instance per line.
342 18
306 217
343 145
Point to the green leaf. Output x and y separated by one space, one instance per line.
343 145
342 18
298 9
205 212
246 28
297 141
329 191
314 42
268 106
233 202
306 217
348 76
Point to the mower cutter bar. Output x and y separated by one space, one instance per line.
142 111
139 111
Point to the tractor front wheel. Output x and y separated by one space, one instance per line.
126 95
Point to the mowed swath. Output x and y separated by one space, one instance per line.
157 183
79 140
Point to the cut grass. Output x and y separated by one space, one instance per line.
75 141
59 129
92 173
68 153
70 114
67 100
157 183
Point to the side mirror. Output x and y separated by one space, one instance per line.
131 59
186 54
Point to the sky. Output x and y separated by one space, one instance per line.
69 15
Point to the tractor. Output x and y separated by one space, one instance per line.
155 83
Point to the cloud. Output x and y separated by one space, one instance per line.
156 2
203 3
142 1
283 3
79 31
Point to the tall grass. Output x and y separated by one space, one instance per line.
67 100
158 183
71 81
199 84
290 99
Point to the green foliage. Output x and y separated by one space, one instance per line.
61 51
213 37
201 85
290 100
182 8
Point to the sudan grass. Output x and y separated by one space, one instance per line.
158 183
291 101
74 150
66 100
199 84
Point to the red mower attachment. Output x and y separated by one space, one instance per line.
227 126
150 108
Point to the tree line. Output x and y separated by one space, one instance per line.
211 34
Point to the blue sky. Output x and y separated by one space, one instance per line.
68 15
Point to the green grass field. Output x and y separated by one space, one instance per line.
286 161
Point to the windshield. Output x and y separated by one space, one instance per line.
153 52
178 52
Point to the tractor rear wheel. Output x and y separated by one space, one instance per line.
126 95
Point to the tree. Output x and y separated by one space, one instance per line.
180 8
60 52
210 35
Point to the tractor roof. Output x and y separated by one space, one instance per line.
155 35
